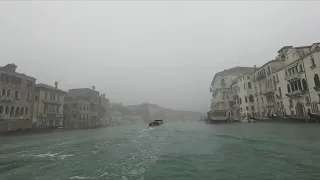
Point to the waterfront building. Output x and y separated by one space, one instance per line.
243 97
16 99
264 87
82 108
220 88
48 106
298 80
104 110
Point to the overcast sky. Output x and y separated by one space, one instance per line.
159 52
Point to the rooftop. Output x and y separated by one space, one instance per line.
45 86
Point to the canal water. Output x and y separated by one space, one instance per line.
175 151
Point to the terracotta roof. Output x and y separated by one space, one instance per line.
41 85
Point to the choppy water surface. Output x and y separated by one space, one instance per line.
174 151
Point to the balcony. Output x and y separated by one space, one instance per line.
268 91
260 76
316 88
270 104
6 98
293 77
51 101
296 93
235 96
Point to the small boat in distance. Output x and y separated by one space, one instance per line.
159 121
155 123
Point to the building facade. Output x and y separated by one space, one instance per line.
48 106
242 94
104 110
265 85
287 85
16 99
82 108
297 89
221 86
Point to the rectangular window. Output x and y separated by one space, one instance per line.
249 85
307 100
247 108
280 93
252 108
29 83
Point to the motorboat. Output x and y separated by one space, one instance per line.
156 123
159 121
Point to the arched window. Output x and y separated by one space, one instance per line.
304 84
316 80
288 87
26 111
21 111
299 84
12 111
17 113
6 111
292 86
296 85
3 92
16 94
251 98
8 92
29 96
312 61
1 109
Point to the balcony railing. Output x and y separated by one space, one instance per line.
296 93
292 77
268 91
51 101
260 76
6 98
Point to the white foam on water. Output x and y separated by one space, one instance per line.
79 177
50 155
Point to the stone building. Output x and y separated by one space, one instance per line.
243 96
16 99
265 85
104 110
48 106
298 80
220 89
82 108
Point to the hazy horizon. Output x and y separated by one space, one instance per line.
163 53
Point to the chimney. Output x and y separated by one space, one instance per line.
56 84
94 88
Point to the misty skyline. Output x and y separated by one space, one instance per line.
164 53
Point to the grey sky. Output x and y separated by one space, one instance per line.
158 52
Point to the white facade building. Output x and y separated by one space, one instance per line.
264 84
220 88
242 93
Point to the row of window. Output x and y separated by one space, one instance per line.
14 80
52 96
7 92
82 106
14 111
251 99
297 85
